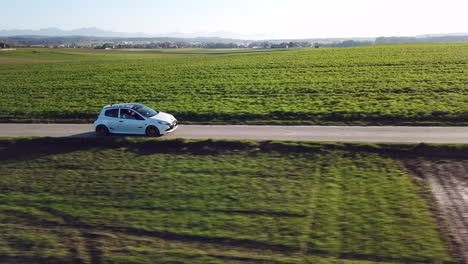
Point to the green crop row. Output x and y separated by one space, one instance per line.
209 202
395 84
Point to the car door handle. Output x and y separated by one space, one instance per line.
121 121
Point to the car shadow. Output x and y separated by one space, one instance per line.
92 134
33 148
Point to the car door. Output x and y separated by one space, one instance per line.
112 120
130 122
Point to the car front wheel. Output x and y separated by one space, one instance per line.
152 131
102 131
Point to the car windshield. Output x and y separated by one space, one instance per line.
145 111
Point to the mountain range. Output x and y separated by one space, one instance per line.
57 32
96 32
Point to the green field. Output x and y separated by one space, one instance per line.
200 51
175 201
389 84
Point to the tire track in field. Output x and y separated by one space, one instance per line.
448 180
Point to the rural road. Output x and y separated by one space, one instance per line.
384 134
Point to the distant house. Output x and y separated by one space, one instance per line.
268 45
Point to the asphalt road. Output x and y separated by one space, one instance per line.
388 134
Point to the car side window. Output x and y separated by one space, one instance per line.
112 113
130 114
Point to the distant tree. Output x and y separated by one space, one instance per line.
349 43
293 44
345 44
395 40
400 40
220 45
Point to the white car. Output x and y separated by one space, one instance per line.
133 118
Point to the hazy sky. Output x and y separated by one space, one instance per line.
272 19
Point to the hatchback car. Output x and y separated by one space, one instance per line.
133 118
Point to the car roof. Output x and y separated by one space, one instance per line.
123 105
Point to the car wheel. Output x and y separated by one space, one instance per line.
152 131
102 130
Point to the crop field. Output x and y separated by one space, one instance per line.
388 84
176 201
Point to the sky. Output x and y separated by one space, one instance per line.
246 18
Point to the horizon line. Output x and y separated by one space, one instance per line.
207 34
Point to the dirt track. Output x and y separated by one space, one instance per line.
448 180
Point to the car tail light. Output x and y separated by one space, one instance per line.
97 117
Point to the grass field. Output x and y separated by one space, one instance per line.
394 84
202 51
175 201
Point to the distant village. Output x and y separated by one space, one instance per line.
204 43
169 43
161 45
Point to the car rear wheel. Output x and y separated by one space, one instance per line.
102 130
152 131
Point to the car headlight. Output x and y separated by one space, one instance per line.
163 123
